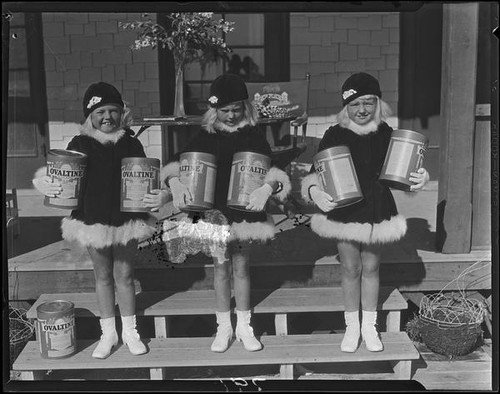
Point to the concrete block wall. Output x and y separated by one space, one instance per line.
332 46
82 48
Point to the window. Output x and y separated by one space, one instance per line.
260 52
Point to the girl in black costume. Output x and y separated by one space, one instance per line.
229 126
362 228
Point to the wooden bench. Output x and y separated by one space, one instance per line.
195 352
280 302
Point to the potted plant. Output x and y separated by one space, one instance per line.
191 36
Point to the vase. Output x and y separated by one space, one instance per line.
179 93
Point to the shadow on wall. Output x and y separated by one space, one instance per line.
35 232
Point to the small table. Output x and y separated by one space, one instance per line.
169 123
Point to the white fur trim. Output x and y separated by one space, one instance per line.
366 129
257 231
307 182
224 127
387 231
104 138
171 170
100 235
277 175
42 171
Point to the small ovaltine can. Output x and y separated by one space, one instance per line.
198 171
68 168
337 175
139 176
405 154
248 172
56 329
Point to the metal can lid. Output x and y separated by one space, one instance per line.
66 153
149 160
332 151
57 306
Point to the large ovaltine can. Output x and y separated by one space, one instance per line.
405 154
56 329
248 172
198 171
337 175
68 168
139 176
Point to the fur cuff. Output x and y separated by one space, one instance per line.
100 235
277 175
171 170
307 182
42 171
258 231
387 231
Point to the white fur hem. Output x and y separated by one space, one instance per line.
307 182
100 235
384 232
171 170
42 171
277 175
257 231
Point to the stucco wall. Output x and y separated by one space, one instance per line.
81 48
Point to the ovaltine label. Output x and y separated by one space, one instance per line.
139 175
335 170
68 168
248 171
198 171
56 329
405 154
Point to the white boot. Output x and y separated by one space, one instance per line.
224 332
130 336
109 338
369 332
244 331
350 342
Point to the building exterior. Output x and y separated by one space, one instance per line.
53 57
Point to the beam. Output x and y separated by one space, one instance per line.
458 94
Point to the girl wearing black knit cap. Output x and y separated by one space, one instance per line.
229 126
362 228
110 236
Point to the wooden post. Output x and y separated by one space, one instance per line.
458 93
393 322
280 324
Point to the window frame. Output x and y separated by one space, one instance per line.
276 56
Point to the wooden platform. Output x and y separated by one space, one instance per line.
192 352
279 302
296 258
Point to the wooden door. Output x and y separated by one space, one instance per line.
420 77
27 103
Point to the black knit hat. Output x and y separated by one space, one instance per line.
227 89
358 85
99 94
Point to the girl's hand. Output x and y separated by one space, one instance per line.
46 186
156 199
180 193
323 200
421 177
259 197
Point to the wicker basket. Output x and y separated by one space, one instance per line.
20 331
450 324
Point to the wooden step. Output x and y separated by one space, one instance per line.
280 302
195 352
